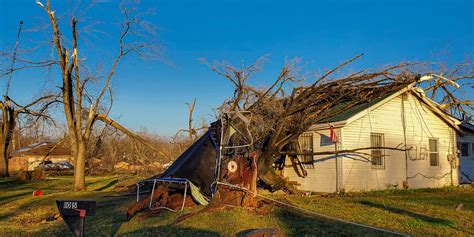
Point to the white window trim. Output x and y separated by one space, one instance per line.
430 152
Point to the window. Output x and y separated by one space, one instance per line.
377 154
464 149
325 140
434 155
306 145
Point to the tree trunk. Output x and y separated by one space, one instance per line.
4 163
79 168
9 120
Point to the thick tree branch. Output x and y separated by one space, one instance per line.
129 133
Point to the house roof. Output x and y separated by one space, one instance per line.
467 127
340 119
352 111
41 149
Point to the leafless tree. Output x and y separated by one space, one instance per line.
81 109
192 130
112 147
11 110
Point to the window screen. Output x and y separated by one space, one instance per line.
306 145
377 154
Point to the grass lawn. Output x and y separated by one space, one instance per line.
416 212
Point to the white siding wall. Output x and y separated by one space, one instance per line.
321 178
466 164
421 124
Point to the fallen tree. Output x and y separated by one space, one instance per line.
257 126
294 102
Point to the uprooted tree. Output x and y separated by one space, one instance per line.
294 101
82 109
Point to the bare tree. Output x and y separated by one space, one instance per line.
192 130
81 109
11 110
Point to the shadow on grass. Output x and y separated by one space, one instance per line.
12 184
110 184
298 224
170 231
6 198
417 216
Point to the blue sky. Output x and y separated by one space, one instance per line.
152 94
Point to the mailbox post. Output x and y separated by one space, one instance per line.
74 213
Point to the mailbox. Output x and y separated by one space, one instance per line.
74 213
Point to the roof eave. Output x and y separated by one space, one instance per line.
451 121
323 126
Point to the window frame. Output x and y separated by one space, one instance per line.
433 152
381 152
472 150
307 161
468 149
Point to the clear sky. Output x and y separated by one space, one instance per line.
152 94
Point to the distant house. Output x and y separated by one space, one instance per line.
29 157
405 117
466 153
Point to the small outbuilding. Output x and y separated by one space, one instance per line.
29 157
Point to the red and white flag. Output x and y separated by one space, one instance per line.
333 135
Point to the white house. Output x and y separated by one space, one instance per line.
466 153
405 117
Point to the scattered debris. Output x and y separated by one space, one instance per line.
52 217
223 154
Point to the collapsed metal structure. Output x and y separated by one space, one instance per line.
222 155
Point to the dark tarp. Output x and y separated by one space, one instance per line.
197 164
